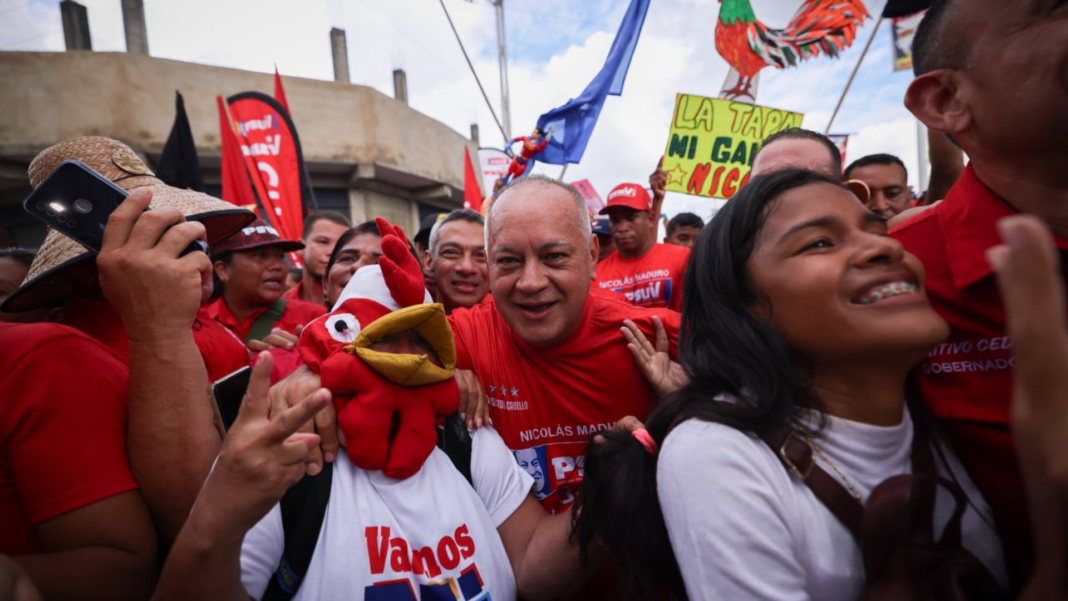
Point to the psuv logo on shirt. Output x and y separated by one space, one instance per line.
429 562
648 293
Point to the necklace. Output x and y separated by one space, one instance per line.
831 464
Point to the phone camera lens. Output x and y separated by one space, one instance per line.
40 206
71 224
50 212
83 206
62 218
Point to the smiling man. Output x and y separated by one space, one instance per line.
641 271
456 259
550 355
888 180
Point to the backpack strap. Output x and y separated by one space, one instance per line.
456 442
303 510
263 324
796 455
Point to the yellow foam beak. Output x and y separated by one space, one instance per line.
428 320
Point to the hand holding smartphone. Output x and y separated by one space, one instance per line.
77 201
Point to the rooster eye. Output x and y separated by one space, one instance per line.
343 327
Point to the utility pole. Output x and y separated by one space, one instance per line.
502 57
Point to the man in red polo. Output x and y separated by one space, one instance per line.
641 271
990 75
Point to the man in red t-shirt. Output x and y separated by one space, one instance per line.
549 354
985 76
641 271
250 265
321 232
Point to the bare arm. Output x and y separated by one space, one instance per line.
105 550
658 183
947 163
171 436
545 562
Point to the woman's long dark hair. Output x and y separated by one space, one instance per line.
724 348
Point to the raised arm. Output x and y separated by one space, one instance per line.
260 459
658 184
171 435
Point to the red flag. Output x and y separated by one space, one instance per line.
279 91
235 185
271 148
472 195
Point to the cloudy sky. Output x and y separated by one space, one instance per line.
554 46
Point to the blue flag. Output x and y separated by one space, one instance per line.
573 122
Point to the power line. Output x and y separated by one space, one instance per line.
472 67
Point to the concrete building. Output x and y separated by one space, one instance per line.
367 154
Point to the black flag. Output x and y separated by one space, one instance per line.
179 165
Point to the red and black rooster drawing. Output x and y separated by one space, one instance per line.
819 27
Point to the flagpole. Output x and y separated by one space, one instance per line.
849 83
472 67
563 171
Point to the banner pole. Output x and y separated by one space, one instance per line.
849 83
563 171
472 67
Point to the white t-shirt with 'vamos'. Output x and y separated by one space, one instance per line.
431 536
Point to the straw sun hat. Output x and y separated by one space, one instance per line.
63 267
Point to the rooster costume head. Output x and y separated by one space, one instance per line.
388 403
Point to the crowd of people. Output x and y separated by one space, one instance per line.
836 389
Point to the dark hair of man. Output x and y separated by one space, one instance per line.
468 215
876 159
540 132
724 349
331 216
796 133
684 220
936 45
22 255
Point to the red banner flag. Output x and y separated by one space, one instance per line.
472 195
272 152
279 91
235 185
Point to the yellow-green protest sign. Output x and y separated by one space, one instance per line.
712 143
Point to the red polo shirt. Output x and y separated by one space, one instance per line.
297 313
967 381
297 292
653 280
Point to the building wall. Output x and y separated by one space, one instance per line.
387 156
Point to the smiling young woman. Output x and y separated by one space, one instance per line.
800 317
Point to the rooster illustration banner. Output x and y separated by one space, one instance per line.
819 27
902 30
712 142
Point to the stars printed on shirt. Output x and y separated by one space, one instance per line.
505 391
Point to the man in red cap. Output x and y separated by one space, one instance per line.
641 271
250 273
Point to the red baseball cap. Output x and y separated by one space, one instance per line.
257 234
631 196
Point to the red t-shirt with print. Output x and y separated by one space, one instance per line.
63 427
967 381
547 402
297 313
653 280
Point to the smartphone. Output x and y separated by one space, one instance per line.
77 201
228 392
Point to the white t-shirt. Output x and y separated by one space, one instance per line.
743 528
431 536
